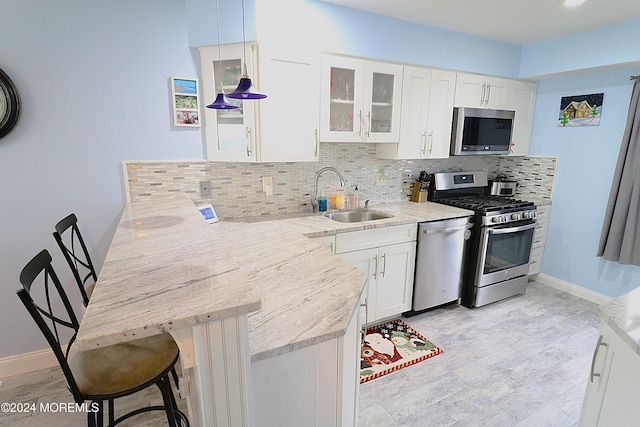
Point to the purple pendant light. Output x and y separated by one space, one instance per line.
221 102
245 89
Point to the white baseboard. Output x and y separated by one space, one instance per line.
27 362
573 289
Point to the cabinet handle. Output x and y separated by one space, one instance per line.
375 270
430 142
484 88
368 124
360 120
384 264
317 143
488 93
424 142
363 327
595 355
331 247
248 136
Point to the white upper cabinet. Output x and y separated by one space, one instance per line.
262 130
522 99
427 109
359 100
290 115
230 134
473 90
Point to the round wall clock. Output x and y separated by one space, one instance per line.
9 104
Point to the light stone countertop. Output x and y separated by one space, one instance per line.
167 269
623 315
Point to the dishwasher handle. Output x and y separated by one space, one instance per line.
465 227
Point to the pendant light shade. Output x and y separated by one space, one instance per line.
222 103
245 89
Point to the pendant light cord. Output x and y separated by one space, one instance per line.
219 51
244 43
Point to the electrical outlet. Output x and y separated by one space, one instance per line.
205 188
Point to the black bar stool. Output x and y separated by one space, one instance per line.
105 373
75 251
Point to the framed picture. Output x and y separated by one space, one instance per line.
580 110
185 101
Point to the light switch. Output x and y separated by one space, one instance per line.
267 185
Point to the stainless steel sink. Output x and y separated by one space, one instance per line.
357 215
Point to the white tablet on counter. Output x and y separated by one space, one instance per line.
208 213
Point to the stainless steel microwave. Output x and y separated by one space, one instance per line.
478 131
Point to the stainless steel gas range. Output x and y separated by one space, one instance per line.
497 264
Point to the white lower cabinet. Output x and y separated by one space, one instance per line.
313 386
539 240
389 267
614 380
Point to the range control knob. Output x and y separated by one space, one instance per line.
515 217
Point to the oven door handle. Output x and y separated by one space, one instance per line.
511 229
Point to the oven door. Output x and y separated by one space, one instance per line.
505 252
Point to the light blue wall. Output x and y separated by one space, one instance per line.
587 158
611 46
93 77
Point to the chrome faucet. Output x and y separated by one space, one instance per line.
314 195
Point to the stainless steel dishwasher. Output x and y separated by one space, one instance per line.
439 262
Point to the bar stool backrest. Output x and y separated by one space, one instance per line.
75 252
52 293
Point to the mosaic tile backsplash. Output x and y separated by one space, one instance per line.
237 191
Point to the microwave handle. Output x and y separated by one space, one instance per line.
484 88
488 93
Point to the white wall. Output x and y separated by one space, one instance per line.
93 77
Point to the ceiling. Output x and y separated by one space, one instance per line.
518 22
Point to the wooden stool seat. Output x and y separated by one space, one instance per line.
118 369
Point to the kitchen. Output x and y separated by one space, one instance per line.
94 148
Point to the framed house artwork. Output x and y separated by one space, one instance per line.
185 101
580 110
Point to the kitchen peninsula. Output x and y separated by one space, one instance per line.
240 299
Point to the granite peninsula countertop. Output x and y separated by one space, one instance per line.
623 315
168 269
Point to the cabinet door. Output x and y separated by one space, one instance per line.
382 95
442 93
610 399
497 92
522 99
366 261
395 279
479 91
416 85
285 135
341 99
427 112
230 134
299 388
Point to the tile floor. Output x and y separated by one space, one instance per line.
518 362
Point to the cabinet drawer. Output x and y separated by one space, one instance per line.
540 234
364 239
543 212
536 260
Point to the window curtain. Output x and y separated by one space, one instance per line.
620 237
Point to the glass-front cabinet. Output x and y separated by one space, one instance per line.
230 134
360 100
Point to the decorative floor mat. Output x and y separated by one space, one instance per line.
392 346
